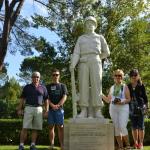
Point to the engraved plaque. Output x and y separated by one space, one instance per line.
90 136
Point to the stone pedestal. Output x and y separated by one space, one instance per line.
88 134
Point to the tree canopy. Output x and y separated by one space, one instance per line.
124 24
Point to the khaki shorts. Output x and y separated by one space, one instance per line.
33 118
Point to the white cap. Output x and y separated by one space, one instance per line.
37 74
92 19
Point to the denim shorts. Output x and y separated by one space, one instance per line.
137 122
56 117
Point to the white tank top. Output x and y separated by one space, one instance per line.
121 94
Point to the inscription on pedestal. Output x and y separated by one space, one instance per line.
89 136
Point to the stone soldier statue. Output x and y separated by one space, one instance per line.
89 51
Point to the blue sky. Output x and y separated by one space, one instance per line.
29 8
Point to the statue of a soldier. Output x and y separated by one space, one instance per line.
88 53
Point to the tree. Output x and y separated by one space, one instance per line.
113 18
44 63
1 4
9 95
11 90
13 29
12 11
3 76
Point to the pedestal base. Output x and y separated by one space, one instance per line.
88 134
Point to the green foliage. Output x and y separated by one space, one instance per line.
3 76
121 22
11 90
10 93
8 109
3 108
10 131
47 60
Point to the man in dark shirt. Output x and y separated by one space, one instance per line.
32 97
57 96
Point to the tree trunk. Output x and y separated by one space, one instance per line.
1 4
10 18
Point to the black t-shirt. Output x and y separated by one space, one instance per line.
56 91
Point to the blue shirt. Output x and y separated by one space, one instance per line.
34 96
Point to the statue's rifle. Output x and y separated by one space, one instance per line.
74 96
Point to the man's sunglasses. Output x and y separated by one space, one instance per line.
55 75
35 77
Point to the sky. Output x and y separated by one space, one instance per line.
29 8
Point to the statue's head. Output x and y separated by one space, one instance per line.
91 18
90 24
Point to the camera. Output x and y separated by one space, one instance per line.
116 100
137 109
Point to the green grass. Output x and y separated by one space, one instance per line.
42 148
12 147
147 148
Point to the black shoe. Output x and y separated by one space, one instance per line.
33 147
21 147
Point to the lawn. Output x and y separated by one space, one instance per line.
26 147
42 148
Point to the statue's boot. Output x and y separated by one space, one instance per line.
90 113
90 116
83 113
98 113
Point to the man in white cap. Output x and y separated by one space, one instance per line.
33 96
89 51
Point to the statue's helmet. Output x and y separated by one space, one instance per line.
92 19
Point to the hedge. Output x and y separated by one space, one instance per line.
10 132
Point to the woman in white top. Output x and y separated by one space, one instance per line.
119 98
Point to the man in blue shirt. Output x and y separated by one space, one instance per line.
57 96
33 96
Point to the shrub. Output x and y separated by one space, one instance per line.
10 131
